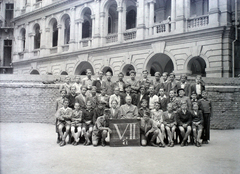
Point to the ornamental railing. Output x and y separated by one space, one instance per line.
198 21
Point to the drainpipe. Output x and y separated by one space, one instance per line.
233 43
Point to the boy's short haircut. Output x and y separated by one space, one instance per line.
88 70
183 76
199 76
170 104
172 74
157 73
116 88
132 71
165 73
113 101
145 71
63 90
108 73
103 88
162 88
102 102
100 72
72 87
65 99
83 86
88 101
120 74
194 92
194 103
143 100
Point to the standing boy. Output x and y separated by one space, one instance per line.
206 106
197 121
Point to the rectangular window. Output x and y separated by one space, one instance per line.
7 59
8 15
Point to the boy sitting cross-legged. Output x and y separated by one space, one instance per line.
64 121
76 123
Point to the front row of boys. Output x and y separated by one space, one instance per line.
155 125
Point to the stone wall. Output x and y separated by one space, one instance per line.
35 102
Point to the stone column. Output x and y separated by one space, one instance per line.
48 43
120 27
59 46
79 32
43 43
214 13
151 17
173 15
102 17
140 20
72 30
180 16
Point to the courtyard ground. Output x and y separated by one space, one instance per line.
31 148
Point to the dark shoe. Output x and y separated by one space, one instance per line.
75 144
62 143
153 144
171 144
85 143
58 140
182 144
186 143
88 143
198 144
103 144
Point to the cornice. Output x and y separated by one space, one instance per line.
45 9
179 38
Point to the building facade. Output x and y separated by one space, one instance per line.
70 36
6 36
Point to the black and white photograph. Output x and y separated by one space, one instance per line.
119 86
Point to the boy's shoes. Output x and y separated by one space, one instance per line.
58 140
153 144
103 144
198 144
85 143
162 145
75 143
88 143
182 143
186 143
171 144
205 142
62 143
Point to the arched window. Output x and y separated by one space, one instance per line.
86 29
37 37
54 34
112 17
87 24
198 8
109 25
67 31
131 19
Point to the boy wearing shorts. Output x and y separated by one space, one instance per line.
76 124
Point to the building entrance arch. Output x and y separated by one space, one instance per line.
127 68
160 63
197 66
82 67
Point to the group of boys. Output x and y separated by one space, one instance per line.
168 109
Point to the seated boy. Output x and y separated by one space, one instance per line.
76 123
184 120
143 109
169 122
64 121
197 121
101 129
156 115
148 130
88 114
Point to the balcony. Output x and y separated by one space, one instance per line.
65 48
85 43
36 52
111 38
53 50
129 35
197 22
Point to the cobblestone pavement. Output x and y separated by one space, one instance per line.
31 148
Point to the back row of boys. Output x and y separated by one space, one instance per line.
163 105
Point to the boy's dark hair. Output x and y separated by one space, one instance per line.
63 90
83 86
127 85
121 74
147 113
65 99
143 100
132 71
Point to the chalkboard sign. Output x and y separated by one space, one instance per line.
125 132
